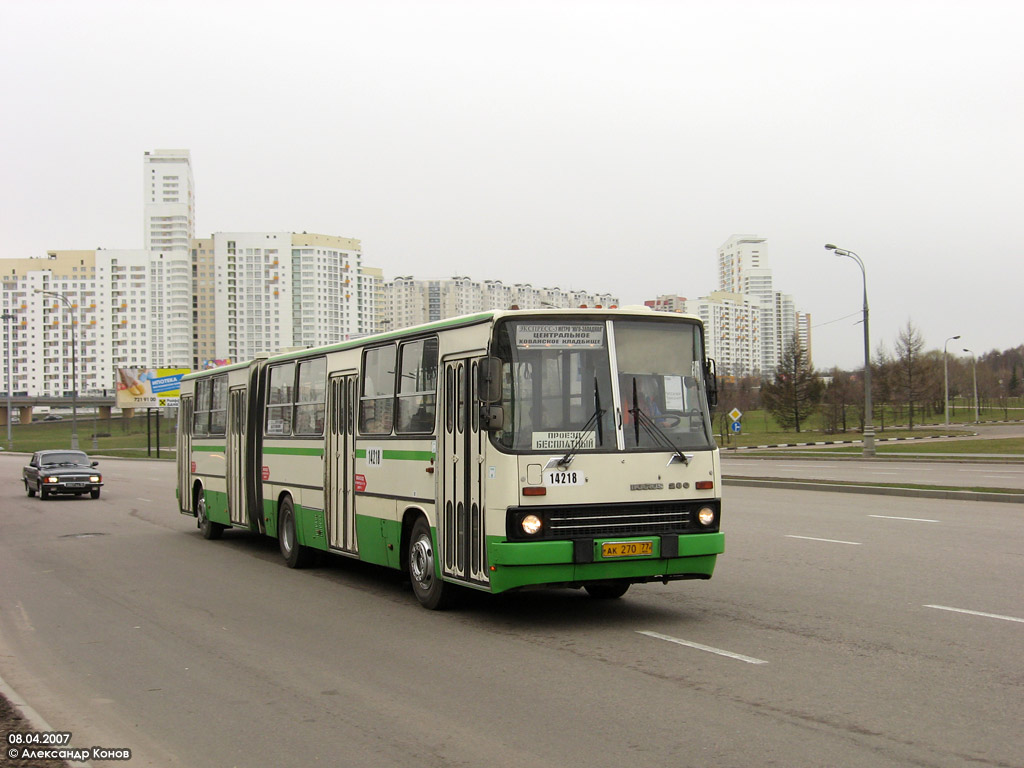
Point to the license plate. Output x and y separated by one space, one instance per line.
627 548
75 485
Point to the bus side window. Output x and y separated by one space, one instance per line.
376 406
417 386
311 395
219 405
279 399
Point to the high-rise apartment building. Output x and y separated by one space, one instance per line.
411 301
105 324
280 290
180 301
168 231
748 324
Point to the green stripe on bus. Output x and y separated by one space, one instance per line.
400 455
293 451
208 448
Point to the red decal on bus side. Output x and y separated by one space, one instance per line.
266 474
360 483
193 468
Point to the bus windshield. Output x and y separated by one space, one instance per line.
602 385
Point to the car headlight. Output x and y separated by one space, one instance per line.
706 516
94 478
531 525
51 479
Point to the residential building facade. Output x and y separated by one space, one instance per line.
410 301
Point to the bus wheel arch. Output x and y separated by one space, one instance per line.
207 528
422 567
295 554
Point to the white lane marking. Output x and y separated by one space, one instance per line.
699 647
1000 477
830 541
912 519
149 501
976 613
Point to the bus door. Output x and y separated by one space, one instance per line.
460 517
235 450
339 464
185 408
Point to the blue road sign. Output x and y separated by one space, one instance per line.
736 427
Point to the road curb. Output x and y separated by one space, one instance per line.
842 442
35 721
923 493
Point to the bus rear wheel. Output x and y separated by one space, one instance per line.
208 528
295 555
607 591
431 591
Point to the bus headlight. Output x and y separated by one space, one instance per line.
531 525
706 516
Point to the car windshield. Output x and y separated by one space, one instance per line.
67 457
561 394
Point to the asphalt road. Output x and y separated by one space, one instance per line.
839 630
963 473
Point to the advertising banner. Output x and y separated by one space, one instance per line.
149 387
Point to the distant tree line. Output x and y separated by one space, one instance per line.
907 386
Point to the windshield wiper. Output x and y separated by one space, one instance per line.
641 419
595 419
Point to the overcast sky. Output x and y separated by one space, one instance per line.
606 146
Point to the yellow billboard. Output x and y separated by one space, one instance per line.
149 387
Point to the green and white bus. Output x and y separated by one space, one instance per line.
497 451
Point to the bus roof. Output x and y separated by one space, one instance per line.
457 322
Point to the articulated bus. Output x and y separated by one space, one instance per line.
497 451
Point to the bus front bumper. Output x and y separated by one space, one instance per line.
515 564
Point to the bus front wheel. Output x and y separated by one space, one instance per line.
430 590
295 555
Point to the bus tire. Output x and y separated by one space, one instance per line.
295 555
430 589
207 528
607 591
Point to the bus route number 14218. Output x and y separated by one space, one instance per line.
564 477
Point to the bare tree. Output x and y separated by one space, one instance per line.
911 370
838 398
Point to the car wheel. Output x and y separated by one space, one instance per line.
94 493
430 590
29 489
209 529
43 492
606 591
295 555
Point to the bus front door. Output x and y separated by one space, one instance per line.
460 517
339 464
235 448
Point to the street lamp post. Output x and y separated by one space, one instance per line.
74 364
945 367
7 317
974 366
869 429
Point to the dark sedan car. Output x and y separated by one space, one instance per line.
67 472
